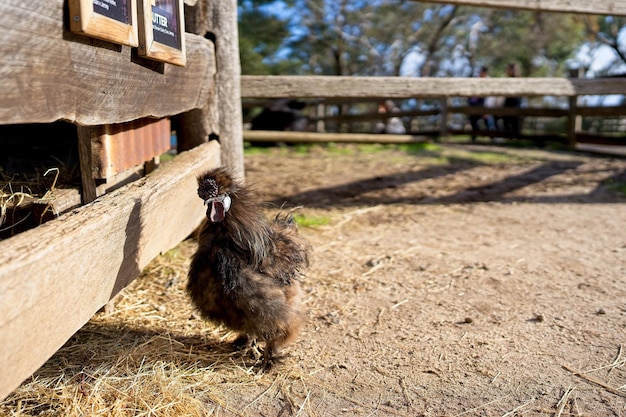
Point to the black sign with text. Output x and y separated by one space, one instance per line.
164 23
115 9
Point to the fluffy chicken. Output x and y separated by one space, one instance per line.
245 271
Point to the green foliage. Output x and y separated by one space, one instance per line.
311 222
249 149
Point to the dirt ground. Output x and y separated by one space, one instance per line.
456 280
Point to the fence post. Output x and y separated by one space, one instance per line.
217 21
320 108
88 184
443 118
571 121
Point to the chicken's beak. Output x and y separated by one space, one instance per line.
217 207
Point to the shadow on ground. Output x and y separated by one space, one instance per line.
386 189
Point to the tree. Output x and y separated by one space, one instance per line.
361 37
540 43
604 51
262 33
394 37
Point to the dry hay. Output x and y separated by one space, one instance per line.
15 196
10 200
151 356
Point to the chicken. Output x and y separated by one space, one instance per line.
245 271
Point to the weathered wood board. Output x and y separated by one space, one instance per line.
607 7
49 73
55 277
258 86
318 137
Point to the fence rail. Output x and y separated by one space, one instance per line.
255 86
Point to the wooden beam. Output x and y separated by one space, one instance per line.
316 137
511 111
294 86
605 7
55 277
50 74
613 111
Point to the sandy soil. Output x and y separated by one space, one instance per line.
460 280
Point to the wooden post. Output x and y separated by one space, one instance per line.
88 189
217 22
571 122
228 82
443 118
320 126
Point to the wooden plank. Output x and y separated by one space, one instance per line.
613 111
608 7
57 202
511 111
591 138
317 137
294 86
55 277
51 74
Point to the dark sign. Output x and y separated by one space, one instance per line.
165 23
115 9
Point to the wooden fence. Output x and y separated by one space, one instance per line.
356 119
55 277
336 90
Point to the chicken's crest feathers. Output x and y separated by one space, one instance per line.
217 181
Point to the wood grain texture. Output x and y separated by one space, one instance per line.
55 277
608 7
253 86
54 74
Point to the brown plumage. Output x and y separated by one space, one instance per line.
245 272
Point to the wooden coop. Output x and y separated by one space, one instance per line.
113 103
